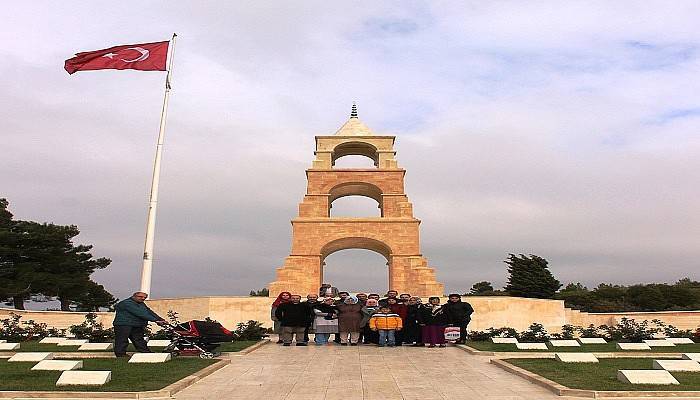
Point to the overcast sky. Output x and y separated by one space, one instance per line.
565 129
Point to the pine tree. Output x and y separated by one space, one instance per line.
530 277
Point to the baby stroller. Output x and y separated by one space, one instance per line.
193 338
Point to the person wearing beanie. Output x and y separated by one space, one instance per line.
386 323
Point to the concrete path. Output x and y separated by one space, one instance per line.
363 372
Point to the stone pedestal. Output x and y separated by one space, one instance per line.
84 378
58 365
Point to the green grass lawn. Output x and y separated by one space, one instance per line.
47 347
125 377
584 348
602 375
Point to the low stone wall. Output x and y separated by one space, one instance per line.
496 311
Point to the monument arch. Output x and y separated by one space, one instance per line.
394 234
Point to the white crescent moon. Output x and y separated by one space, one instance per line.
144 54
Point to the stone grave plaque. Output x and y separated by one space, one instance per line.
150 358
532 346
502 340
91 378
3 341
72 342
576 357
659 343
9 346
158 343
95 346
564 343
677 365
680 340
30 357
646 377
691 356
591 340
52 340
632 346
58 365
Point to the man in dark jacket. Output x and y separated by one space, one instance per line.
132 316
293 317
311 301
391 294
459 314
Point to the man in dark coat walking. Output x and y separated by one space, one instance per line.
132 316
459 314
293 317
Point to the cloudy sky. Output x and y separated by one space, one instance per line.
564 129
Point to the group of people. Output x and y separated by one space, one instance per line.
367 318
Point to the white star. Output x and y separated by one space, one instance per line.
110 55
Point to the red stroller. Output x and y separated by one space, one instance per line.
193 338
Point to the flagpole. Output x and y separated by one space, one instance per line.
147 266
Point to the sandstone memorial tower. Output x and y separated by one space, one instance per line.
394 234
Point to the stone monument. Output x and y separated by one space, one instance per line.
394 234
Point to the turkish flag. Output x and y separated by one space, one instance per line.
143 57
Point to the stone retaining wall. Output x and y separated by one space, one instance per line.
495 311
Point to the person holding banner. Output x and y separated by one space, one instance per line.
458 315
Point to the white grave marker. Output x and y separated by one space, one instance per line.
532 346
692 356
58 365
680 340
91 378
659 343
646 377
564 343
3 341
502 340
9 346
677 365
633 346
576 357
72 342
150 358
591 340
52 340
158 343
95 346
30 357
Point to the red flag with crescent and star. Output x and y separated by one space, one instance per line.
142 57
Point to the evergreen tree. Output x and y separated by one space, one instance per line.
481 288
530 277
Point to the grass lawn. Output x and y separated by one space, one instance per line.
47 347
584 348
602 375
125 377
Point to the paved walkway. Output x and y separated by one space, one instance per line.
363 372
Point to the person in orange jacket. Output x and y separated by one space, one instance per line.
387 323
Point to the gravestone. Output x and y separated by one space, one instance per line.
52 340
89 378
576 357
591 340
659 343
532 346
680 340
632 346
58 365
564 343
150 358
9 346
95 346
30 357
72 342
646 377
503 340
3 341
677 365
691 356
158 343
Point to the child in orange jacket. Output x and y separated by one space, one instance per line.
387 323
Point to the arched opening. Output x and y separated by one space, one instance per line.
354 161
356 264
353 199
365 150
